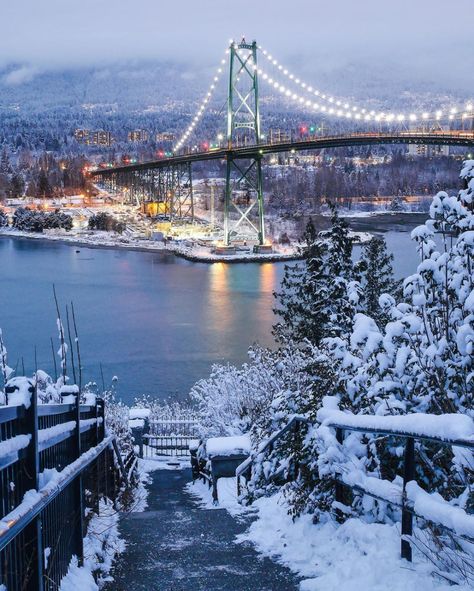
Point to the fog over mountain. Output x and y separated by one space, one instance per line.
135 54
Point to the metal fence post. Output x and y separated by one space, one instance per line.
100 415
407 516
338 487
78 488
30 480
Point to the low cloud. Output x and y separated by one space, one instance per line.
20 75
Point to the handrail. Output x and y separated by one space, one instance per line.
13 523
406 505
10 413
466 443
270 441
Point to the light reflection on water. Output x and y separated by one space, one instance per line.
157 322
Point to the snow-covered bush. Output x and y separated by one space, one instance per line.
105 222
29 220
234 400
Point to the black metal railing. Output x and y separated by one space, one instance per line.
401 501
55 461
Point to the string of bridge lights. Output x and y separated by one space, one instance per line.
324 103
338 108
204 103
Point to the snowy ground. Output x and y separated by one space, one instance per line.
354 556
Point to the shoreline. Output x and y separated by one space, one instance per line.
151 247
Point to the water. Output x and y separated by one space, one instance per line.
156 321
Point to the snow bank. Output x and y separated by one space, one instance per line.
227 446
349 557
101 545
78 577
448 427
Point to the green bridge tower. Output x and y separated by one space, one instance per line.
243 188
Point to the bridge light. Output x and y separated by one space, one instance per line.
312 129
425 115
412 117
453 111
469 107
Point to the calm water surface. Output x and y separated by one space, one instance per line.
155 321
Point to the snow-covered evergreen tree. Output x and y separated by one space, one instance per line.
319 297
376 278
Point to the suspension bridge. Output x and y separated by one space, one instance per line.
169 180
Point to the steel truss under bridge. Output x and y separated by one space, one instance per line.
170 187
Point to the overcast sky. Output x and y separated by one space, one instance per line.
435 35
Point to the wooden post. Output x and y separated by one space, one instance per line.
407 516
30 480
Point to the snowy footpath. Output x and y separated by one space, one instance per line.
180 541
177 545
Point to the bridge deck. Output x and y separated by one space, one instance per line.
445 138
177 546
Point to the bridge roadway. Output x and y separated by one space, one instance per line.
444 138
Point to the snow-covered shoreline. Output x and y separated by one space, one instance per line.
105 240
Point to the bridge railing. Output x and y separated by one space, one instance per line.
409 498
55 461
